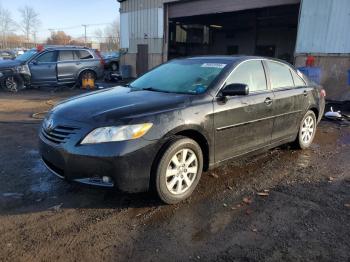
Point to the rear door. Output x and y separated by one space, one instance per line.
244 123
44 68
290 100
67 66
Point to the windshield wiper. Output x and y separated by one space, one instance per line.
155 90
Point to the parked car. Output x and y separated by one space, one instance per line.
7 55
111 60
51 66
19 51
185 116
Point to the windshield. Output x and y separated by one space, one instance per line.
27 55
190 76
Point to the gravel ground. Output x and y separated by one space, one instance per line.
282 205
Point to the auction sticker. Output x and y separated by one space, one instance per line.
214 65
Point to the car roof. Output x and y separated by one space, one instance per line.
58 47
237 58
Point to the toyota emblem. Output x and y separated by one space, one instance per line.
49 125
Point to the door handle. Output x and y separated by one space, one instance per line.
268 101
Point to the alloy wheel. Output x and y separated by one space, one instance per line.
182 171
307 130
114 67
11 84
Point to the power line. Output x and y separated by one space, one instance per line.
77 26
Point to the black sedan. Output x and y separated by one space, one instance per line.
182 118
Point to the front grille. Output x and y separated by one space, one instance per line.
59 134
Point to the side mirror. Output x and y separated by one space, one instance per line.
235 90
34 62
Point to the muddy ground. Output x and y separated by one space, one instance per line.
304 214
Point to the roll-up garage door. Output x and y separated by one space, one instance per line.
203 7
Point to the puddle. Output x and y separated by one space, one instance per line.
33 152
41 179
345 139
43 184
304 159
13 195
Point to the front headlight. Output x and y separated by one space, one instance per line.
23 69
116 133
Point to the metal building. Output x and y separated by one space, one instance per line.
153 31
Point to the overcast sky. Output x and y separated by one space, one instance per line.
66 14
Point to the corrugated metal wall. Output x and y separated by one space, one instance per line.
134 5
145 24
324 27
202 7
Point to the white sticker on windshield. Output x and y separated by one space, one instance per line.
214 65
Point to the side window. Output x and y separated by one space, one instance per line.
66 55
48 57
84 54
250 73
280 75
297 79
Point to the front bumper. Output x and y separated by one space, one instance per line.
127 163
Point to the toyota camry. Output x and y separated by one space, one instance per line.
182 118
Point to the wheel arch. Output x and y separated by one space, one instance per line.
85 70
192 132
315 110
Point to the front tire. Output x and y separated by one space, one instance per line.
307 131
13 84
179 170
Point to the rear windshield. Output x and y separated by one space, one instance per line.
190 76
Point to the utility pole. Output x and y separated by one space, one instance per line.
34 37
85 26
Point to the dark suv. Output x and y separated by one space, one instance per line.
51 66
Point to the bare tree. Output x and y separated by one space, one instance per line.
99 35
30 20
112 35
6 24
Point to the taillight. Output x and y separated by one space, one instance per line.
323 93
102 61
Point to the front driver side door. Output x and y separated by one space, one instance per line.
244 123
43 68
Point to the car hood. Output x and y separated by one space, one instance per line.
9 63
118 104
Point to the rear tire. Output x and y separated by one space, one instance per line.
307 131
114 67
179 170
